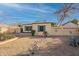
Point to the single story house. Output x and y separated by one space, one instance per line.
40 27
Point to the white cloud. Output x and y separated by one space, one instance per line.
37 9
10 5
20 7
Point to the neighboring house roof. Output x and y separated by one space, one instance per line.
70 25
75 21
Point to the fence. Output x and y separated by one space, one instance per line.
63 31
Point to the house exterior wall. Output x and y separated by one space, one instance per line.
59 31
51 30
47 28
64 31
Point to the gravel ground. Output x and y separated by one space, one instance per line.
15 47
57 46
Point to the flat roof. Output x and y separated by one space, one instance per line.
27 24
41 22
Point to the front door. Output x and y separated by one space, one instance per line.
21 30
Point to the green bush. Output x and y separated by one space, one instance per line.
77 29
33 32
45 33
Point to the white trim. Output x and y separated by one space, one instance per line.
24 28
26 31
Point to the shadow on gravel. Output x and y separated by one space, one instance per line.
63 49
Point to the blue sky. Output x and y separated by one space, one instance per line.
27 13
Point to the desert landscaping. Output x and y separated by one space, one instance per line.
39 46
40 30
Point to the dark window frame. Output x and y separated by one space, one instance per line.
41 28
28 28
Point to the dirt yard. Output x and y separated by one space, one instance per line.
51 46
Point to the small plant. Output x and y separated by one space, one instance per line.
45 33
6 37
77 29
33 32
74 41
34 50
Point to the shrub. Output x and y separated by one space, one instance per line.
33 32
33 50
74 41
6 36
77 29
45 33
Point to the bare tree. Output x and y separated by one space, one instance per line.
65 11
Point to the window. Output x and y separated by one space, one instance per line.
28 28
41 28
